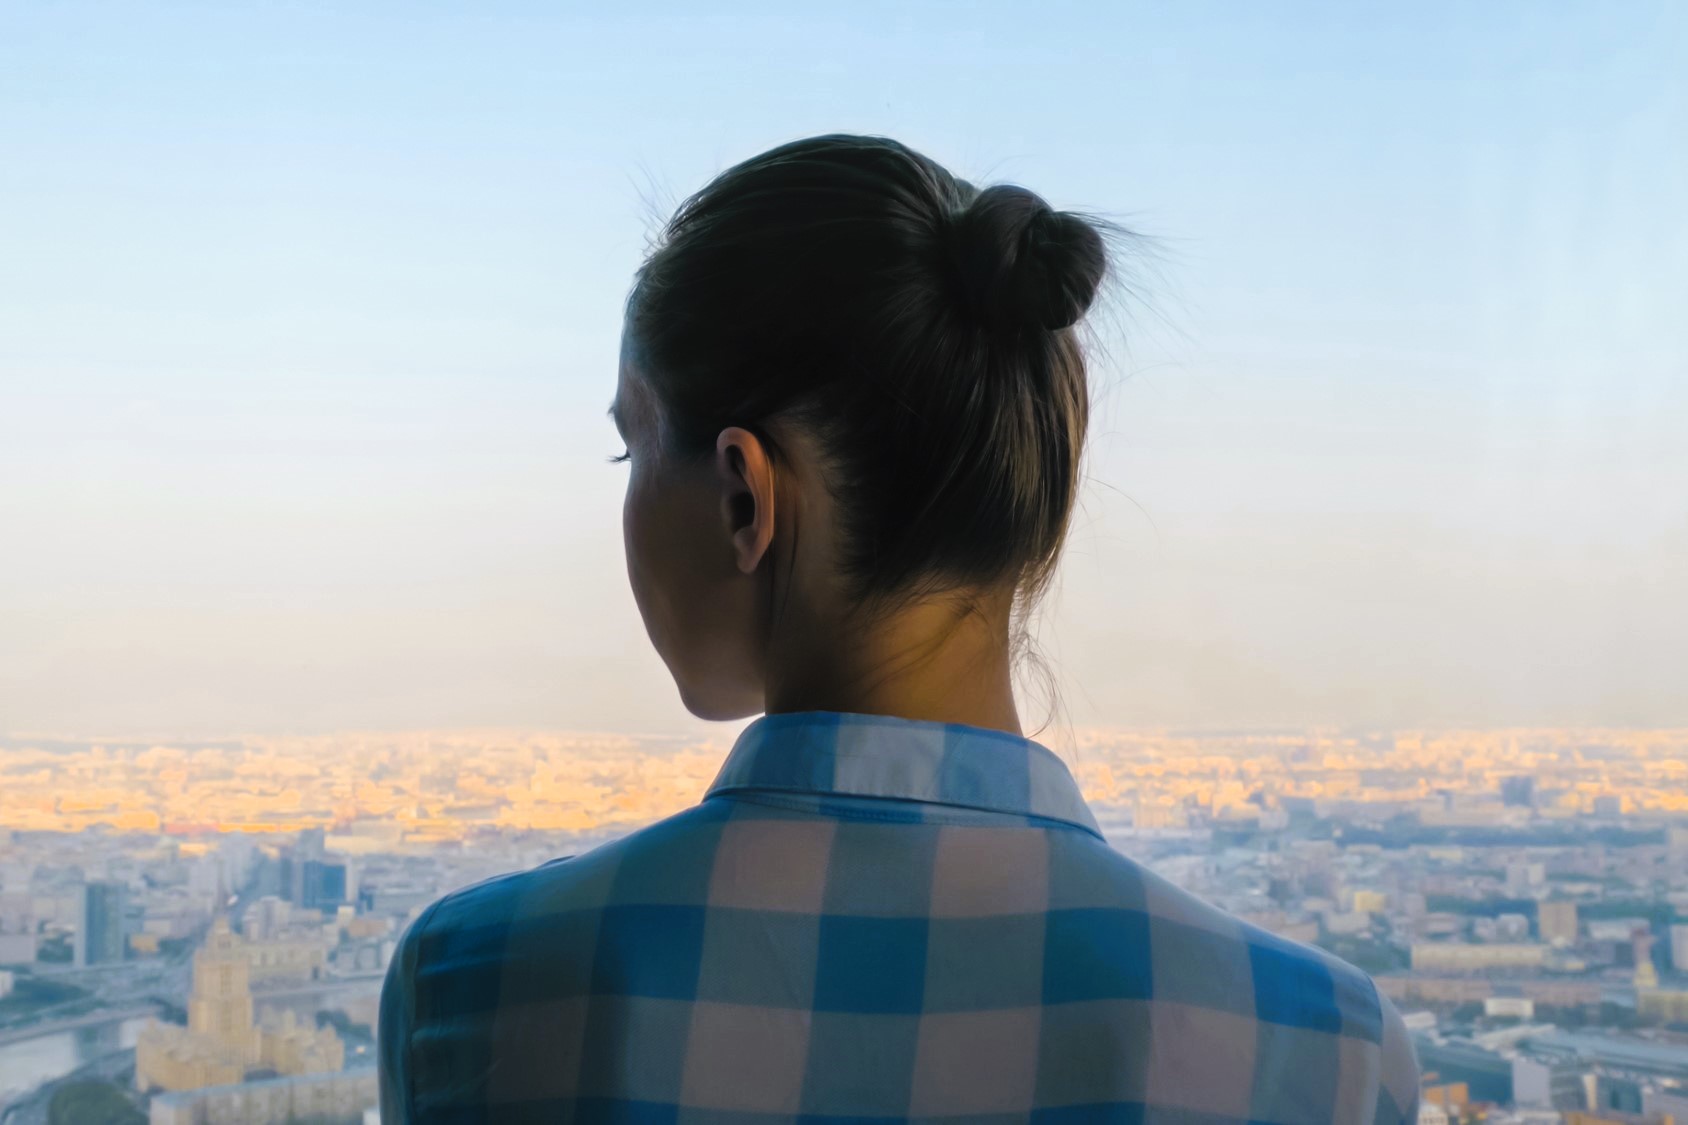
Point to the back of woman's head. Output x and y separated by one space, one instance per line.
920 328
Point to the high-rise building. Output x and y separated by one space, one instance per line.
1518 792
222 1043
323 884
1646 973
220 1007
1679 946
1556 921
100 937
1547 1082
311 843
308 878
1523 879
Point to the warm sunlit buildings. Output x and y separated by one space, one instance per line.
1522 894
222 1042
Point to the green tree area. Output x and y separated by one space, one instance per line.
56 950
175 948
342 1023
1372 956
32 993
90 1101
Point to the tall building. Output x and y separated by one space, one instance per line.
308 877
1646 973
1679 946
1556 920
220 1007
100 937
312 842
1523 879
323 884
222 1043
1547 1083
1518 792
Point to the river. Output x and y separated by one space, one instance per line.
27 1063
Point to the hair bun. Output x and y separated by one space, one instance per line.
1019 262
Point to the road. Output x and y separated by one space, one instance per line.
71 1023
317 987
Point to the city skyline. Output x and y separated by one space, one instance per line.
435 785
1521 896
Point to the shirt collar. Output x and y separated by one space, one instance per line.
851 754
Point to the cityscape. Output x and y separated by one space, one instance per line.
196 932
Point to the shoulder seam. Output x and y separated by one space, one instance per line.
414 937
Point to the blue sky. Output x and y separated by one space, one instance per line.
308 318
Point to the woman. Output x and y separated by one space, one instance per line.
854 404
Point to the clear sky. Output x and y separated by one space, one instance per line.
309 313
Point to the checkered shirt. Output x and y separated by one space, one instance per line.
872 919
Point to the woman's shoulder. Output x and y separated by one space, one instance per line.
496 907
1322 1010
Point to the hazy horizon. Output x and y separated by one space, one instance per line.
309 318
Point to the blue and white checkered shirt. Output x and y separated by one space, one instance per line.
874 919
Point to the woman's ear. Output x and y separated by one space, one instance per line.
746 476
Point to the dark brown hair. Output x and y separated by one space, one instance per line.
920 327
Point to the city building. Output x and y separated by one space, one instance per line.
1465 957
1656 1064
1485 1073
302 958
321 884
1615 929
1646 973
1502 928
1612 1117
222 1041
345 1095
1370 902
18 949
1667 1005
7 982
1523 880
1509 1007
1669 1102
1556 922
100 937
1519 791
1549 1083
1435 990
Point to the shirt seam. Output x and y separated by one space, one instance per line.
773 798
411 993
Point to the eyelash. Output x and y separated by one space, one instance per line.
625 456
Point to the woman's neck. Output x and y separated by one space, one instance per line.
928 661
